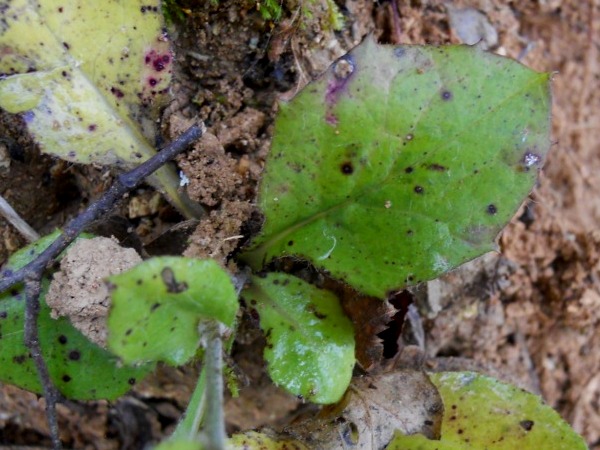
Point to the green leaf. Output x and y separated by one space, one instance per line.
481 412
401 163
80 370
158 305
310 342
89 76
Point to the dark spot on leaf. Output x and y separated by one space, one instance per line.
128 332
117 92
418 189
139 282
66 45
64 73
437 167
62 339
19 359
74 355
152 81
275 282
173 287
3 314
428 423
254 314
347 168
131 381
460 431
60 9
92 127
491 209
71 154
154 307
446 95
290 243
66 378
527 425
409 170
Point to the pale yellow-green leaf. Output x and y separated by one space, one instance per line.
89 78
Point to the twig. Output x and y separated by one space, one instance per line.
32 342
16 221
32 273
123 184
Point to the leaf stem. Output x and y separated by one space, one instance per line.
214 423
188 428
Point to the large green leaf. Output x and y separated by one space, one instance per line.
401 163
158 305
81 370
89 77
310 342
481 412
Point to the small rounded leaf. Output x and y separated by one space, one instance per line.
310 342
158 305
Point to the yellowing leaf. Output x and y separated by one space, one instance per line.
89 78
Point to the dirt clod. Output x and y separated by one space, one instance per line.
78 290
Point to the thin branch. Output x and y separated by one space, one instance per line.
16 221
32 342
123 184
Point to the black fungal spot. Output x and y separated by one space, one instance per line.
66 45
62 339
347 168
152 81
131 381
527 425
446 95
92 127
154 307
428 423
128 332
66 378
275 282
64 73
173 287
409 170
491 209
60 9
419 189
74 355
19 359
3 314
290 243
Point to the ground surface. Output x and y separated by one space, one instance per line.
530 315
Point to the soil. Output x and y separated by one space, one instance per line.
529 315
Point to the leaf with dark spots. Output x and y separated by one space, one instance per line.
89 70
486 413
433 136
185 291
